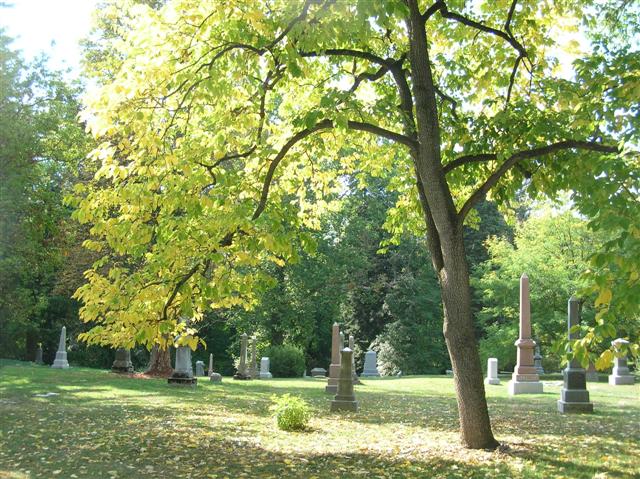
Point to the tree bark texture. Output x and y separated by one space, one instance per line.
160 363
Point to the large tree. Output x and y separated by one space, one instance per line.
225 125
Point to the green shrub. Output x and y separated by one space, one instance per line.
286 361
291 412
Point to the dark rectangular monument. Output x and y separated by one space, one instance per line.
574 395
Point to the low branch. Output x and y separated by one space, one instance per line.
490 182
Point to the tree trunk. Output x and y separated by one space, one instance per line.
160 363
459 333
445 239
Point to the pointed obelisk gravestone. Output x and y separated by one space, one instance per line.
183 370
592 373
61 356
352 344
370 368
537 360
39 355
345 400
334 367
253 365
213 376
525 379
492 372
620 374
574 396
200 369
264 369
122 362
242 372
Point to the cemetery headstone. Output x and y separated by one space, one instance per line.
122 363
620 374
525 379
574 396
345 399
39 355
370 365
264 368
492 371
537 360
183 370
200 369
213 376
334 367
592 373
318 373
253 365
242 372
352 344
61 355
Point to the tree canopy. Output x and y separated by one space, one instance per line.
224 129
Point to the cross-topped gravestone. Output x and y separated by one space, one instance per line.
345 399
61 355
242 372
334 367
537 360
253 365
525 379
352 344
574 395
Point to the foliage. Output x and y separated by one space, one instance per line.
554 251
40 145
213 166
401 435
292 413
286 361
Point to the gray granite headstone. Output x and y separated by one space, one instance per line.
122 362
370 365
213 376
574 397
39 355
61 355
592 373
318 373
183 370
620 374
345 399
200 369
264 369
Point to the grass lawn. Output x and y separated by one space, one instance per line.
104 425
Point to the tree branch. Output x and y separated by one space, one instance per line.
322 125
519 156
444 11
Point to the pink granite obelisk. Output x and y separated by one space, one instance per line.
334 368
525 379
